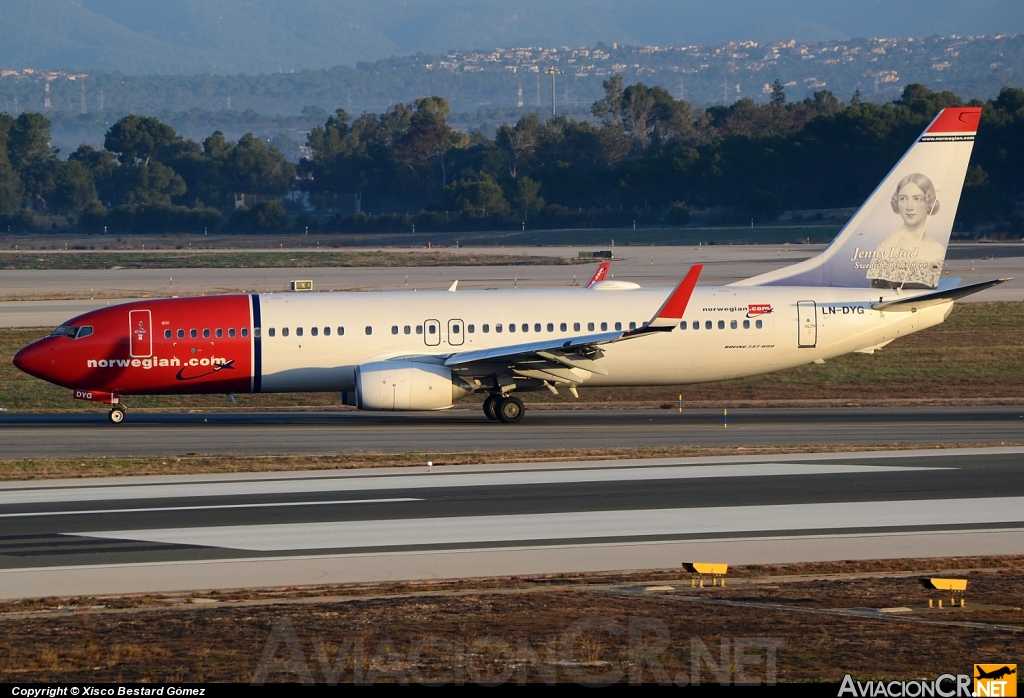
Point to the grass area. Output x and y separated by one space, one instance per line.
586 238
260 260
60 468
596 628
976 355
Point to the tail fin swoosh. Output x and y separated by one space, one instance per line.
898 237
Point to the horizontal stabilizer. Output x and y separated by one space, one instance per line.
936 297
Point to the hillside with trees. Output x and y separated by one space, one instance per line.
642 156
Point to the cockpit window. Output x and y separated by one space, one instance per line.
72 332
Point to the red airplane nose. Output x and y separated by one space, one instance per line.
32 360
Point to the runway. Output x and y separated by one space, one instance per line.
223 531
176 434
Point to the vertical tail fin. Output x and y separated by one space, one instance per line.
898 237
599 274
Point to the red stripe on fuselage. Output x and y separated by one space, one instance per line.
103 360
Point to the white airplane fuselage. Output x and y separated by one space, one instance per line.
740 342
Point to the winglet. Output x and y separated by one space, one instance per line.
454 286
599 274
674 306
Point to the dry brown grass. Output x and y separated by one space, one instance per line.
488 627
53 468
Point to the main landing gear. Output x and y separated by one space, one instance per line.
116 415
508 409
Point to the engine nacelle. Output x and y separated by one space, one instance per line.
407 385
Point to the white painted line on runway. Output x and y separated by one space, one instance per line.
36 495
78 512
587 525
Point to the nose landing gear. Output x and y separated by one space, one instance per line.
116 415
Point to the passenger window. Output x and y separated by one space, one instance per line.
394 329
471 328
632 325
432 329
590 327
193 334
327 332
231 333
575 327
696 325
682 325
314 331
245 332
526 327
206 334
746 324
284 331
536 328
167 334
369 329
618 325
732 324
456 329
486 328
497 328
563 327
341 331
220 333
419 329
181 334
707 324
604 326
758 324
407 329
298 331
721 324
272 332
511 327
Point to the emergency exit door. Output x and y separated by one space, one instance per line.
807 320
456 333
431 333
140 327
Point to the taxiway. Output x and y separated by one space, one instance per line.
258 433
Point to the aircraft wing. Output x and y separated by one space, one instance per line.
582 351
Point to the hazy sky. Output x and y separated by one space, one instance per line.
266 35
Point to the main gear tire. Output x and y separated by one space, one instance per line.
511 410
491 407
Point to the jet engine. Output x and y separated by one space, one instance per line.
407 385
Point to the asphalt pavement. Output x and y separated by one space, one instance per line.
219 531
170 434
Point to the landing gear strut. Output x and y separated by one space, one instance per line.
116 415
